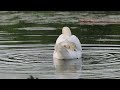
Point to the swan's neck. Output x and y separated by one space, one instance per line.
66 31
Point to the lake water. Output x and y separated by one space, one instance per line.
27 42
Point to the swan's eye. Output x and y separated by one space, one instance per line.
74 49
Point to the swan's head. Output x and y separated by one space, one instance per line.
66 31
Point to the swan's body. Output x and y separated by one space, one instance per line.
67 46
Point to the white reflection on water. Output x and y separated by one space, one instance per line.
67 69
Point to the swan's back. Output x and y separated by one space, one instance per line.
67 46
75 40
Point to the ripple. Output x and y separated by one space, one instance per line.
108 40
37 28
100 63
29 59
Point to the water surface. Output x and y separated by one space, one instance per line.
27 43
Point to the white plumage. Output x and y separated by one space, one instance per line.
67 46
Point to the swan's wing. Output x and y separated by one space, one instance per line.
72 41
66 45
61 38
75 40
67 49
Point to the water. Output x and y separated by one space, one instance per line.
27 43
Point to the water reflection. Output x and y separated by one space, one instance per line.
67 69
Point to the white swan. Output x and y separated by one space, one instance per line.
67 46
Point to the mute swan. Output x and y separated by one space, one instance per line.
67 46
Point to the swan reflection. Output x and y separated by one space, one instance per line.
67 69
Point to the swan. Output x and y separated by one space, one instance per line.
67 46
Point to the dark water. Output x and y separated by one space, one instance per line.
27 43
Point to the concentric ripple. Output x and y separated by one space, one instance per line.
101 61
37 60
